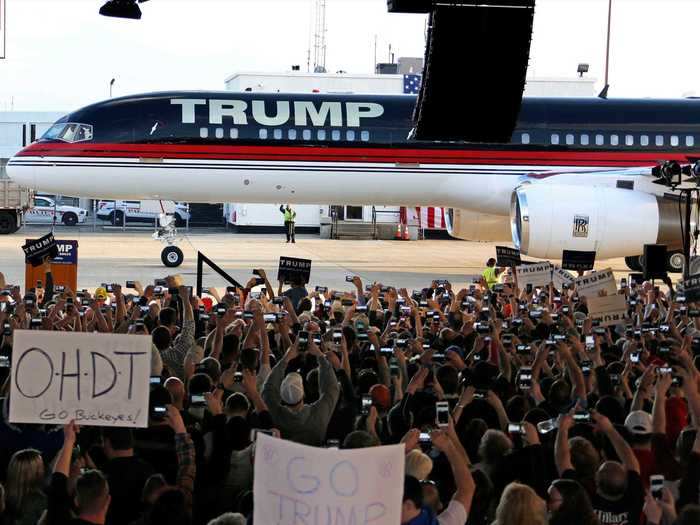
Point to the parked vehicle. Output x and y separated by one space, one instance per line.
46 211
141 211
14 202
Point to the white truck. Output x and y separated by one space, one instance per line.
14 203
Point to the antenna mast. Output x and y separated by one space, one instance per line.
320 45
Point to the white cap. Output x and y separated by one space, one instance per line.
292 389
638 422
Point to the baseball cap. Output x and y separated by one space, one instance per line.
638 422
101 293
292 388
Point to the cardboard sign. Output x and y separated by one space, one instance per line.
290 267
95 379
578 261
297 484
507 257
561 277
591 285
538 274
608 309
36 250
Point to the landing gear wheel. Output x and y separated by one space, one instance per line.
172 256
675 262
634 263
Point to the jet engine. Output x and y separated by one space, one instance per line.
547 219
473 226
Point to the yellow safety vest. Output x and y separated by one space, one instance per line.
289 215
490 277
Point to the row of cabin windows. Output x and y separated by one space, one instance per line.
292 134
613 140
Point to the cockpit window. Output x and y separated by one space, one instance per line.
69 132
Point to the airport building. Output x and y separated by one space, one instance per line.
20 128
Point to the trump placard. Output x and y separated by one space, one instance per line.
298 484
95 379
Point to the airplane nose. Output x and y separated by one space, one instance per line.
21 173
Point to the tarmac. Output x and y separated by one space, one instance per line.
113 255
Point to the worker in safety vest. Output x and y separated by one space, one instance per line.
491 273
289 217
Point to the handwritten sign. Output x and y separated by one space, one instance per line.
291 268
591 285
608 309
538 274
297 484
96 379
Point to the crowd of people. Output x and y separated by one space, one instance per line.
513 405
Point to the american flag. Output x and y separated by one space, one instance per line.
411 84
431 218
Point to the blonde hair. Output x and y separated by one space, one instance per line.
25 474
418 465
520 505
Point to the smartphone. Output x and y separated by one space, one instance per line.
270 318
248 315
656 486
337 336
634 357
424 437
516 428
197 400
238 377
4 361
590 342
303 340
160 282
159 412
523 349
359 308
333 443
525 378
366 403
255 431
582 417
664 370
442 414
322 289
349 278
130 284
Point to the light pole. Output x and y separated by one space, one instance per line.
111 84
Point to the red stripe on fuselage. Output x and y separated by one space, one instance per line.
314 153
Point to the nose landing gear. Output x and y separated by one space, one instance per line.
171 256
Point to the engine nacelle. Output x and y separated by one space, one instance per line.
473 226
547 219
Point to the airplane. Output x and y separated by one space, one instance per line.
576 174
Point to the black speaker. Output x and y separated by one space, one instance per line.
474 73
654 261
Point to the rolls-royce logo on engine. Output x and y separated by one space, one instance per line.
581 225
